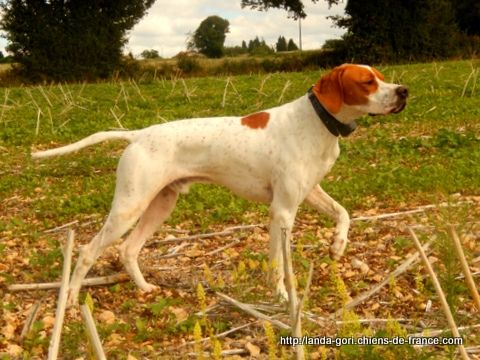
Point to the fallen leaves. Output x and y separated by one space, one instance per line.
373 251
8 331
253 350
180 313
107 317
358 264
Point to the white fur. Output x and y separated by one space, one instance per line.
280 164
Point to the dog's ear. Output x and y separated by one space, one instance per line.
329 90
378 74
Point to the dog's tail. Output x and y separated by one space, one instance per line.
89 140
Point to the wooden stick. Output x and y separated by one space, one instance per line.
103 280
465 269
171 253
287 85
293 303
406 212
135 86
249 310
61 227
369 321
463 276
466 83
220 249
223 353
398 271
440 293
92 332
305 294
118 118
227 231
62 298
394 214
473 349
429 332
221 335
224 98
32 316
187 91
274 309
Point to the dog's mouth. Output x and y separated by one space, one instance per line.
398 108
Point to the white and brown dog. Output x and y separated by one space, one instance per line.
277 156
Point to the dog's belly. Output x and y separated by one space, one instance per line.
247 188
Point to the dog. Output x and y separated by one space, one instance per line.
276 156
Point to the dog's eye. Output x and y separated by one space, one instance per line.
369 82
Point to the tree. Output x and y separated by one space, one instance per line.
210 36
409 29
281 44
467 14
150 54
291 45
259 47
386 30
294 7
69 39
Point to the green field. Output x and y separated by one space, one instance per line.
428 154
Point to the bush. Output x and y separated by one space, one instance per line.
188 65
469 46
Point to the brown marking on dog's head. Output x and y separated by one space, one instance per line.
256 121
377 73
350 84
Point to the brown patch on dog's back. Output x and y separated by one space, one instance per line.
256 121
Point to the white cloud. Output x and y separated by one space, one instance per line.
167 24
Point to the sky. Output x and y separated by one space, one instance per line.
166 26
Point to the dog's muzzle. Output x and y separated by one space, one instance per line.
402 95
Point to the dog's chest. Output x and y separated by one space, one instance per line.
326 159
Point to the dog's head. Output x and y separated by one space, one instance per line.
361 88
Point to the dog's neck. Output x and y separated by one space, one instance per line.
348 114
331 122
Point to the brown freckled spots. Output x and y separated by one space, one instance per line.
256 121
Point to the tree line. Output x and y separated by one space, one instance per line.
63 40
209 40
395 31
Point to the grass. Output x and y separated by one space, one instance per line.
426 154
428 150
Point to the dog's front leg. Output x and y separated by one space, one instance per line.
282 219
323 203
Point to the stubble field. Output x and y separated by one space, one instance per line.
427 155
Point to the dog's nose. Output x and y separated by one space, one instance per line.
402 91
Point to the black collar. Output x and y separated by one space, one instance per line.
333 125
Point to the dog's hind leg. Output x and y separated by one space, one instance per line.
115 226
135 189
157 212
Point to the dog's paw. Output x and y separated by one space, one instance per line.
338 248
147 287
